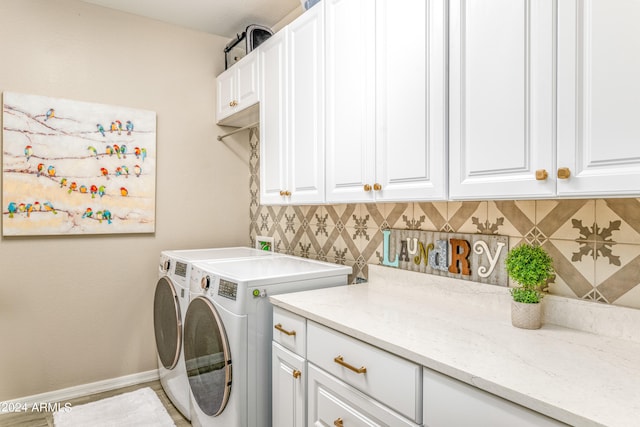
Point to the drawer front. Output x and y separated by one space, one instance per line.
334 403
290 331
444 397
391 380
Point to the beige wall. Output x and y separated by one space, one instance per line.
74 309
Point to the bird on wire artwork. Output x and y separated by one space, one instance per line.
59 151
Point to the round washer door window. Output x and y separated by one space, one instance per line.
207 356
167 323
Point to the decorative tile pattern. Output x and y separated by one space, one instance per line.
595 244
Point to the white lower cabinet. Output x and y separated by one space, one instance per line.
452 403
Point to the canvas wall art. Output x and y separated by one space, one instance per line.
72 167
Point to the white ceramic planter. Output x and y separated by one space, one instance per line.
526 316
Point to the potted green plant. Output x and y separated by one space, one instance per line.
530 267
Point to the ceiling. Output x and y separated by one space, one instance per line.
223 17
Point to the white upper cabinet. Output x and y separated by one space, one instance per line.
237 93
599 97
292 113
386 104
502 107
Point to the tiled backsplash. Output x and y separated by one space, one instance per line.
595 244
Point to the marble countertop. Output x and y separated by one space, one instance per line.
463 329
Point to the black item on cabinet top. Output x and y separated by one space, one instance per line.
252 37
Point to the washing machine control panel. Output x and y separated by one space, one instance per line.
228 289
181 269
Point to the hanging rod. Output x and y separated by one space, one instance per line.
252 125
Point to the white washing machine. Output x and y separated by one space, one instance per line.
227 333
169 307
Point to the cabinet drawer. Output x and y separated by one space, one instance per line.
290 331
445 396
334 403
391 380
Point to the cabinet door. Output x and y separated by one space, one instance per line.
598 93
411 99
334 403
225 94
273 113
247 81
305 109
350 108
288 387
501 99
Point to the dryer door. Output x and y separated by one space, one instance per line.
167 323
207 356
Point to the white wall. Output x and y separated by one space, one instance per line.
78 309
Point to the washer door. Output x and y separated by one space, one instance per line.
207 356
167 323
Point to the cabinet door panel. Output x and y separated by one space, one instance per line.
306 107
411 103
225 86
501 98
288 388
598 92
247 85
350 99
273 135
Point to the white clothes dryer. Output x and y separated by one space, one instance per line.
228 333
169 307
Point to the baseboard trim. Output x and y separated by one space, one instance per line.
66 394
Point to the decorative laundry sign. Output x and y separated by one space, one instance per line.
476 257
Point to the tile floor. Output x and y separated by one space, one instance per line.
45 419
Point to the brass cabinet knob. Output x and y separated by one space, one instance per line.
367 187
282 193
541 174
377 187
287 193
296 373
231 104
338 422
564 173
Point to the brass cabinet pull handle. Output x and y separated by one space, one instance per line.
367 187
564 173
340 361
377 187
284 331
296 373
541 174
338 422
